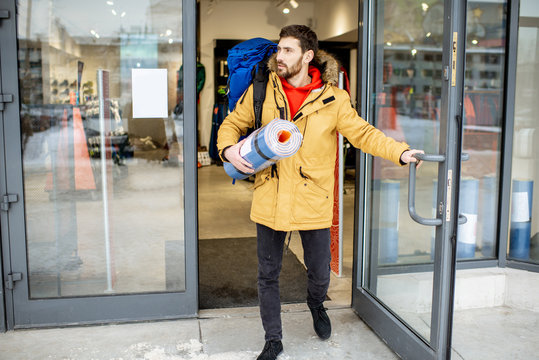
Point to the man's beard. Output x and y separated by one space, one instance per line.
289 72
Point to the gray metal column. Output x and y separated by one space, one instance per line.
3 187
361 107
13 234
190 146
508 131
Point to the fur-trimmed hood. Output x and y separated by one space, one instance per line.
326 63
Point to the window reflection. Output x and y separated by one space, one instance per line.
482 114
524 230
82 240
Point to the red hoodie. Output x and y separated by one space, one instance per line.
296 96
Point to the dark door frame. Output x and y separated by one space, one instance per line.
507 159
88 310
402 339
501 260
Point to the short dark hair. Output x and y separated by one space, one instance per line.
307 38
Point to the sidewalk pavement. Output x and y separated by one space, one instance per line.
226 334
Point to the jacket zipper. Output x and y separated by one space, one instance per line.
283 96
310 102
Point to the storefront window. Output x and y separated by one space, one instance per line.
524 231
482 140
406 105
103 169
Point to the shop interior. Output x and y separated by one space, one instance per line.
224 207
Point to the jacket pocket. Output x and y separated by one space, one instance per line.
264 195
312 201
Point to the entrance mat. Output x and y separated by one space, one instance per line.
228 274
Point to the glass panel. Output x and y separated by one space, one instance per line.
524 234
496 309
483 113
103 184
406 106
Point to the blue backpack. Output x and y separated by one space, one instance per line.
248 63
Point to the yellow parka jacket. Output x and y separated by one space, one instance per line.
299 195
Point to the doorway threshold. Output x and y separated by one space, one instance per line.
253 311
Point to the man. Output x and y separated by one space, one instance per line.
297 192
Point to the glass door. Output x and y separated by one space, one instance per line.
97 163
404 277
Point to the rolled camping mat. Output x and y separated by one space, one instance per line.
267 145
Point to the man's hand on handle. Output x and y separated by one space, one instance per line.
407 157
232 154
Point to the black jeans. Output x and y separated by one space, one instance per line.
317 257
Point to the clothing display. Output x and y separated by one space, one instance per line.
219 114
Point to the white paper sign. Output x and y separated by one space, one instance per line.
467 233
150 95
520 208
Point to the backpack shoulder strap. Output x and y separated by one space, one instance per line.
260 82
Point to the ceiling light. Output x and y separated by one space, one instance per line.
123 14
414 51
389 43
286 10
168 32
92 32
294 4
110 3
113 12
429 34
170 41
97 35
474 41
425 6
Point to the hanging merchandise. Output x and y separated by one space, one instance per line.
219 114
200 80
267 145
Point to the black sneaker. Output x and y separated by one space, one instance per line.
271 350
321 323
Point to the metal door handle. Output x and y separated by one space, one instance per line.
411 191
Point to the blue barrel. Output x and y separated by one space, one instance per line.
521 212
388 251
468 206
489 214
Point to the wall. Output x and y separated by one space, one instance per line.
336 17
236 20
